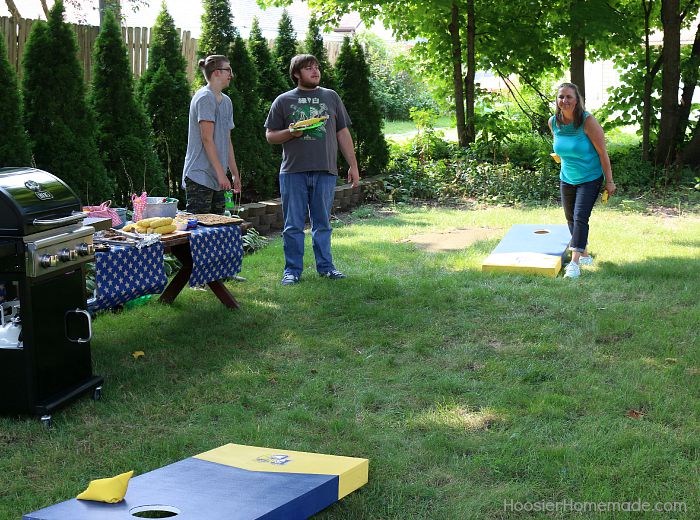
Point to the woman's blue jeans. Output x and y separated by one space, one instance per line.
578 201
303 194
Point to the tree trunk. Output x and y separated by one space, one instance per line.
648 82
690 80
45 8
457 76
577 64
666 144
13 10
471 71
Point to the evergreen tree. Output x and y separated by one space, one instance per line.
59 122
165 93
352 73
253 153
270 82
14 147
285 46
313 44
124 135
218 33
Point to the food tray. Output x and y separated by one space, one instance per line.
210 219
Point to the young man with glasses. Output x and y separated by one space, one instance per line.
209 146
309 164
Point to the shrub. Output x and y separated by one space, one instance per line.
271 83
14 147
124 135
165 93
313 44
59 122
285 46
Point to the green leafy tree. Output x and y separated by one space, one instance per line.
253 154
313 44
271 83
124 135
59 122
218 32
354 89
285 46
14 146
165 93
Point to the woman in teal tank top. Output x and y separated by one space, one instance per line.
580 144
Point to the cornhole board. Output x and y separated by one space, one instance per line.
229 482
530 249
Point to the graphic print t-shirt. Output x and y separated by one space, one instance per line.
317 149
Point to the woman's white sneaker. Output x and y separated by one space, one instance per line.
572 270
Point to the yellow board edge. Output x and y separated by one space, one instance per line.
352 472
523 263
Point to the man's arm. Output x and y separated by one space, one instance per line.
281 136
347 148
233 167
206 128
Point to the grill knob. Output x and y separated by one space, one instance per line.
48 260
85 249
66 255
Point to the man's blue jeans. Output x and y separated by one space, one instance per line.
578 201
303 194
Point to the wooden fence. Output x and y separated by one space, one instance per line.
137 40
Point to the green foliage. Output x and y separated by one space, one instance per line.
59 122
313 44
218 33
165 93
271 83
394 84
14 146
253 154
352 73
285 46
124 135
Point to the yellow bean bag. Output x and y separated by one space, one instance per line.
110 490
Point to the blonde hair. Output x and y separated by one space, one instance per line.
578 111
211 63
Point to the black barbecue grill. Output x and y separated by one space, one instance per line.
45 328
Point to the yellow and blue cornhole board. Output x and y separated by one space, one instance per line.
530 249
230 482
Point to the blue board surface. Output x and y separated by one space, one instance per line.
530 238
200 489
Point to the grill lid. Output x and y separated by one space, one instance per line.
28 195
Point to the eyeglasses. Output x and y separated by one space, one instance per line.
228 69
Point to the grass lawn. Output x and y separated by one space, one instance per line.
407 127
465 390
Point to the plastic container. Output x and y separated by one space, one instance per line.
122 215
155 207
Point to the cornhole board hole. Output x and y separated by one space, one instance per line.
230 482
530 249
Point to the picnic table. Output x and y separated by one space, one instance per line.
208 256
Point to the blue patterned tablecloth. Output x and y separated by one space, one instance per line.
126 273
217 252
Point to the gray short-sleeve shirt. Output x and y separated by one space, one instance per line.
204 107
317 149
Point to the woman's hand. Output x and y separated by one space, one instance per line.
610 186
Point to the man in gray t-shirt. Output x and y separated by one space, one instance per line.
309 164
209 147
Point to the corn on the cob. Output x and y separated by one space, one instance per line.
307 122
604 196
164 230
155 222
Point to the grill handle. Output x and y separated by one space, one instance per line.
86 314
62 220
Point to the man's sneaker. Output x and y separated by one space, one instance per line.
585 260
333 275
289 279
572 270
